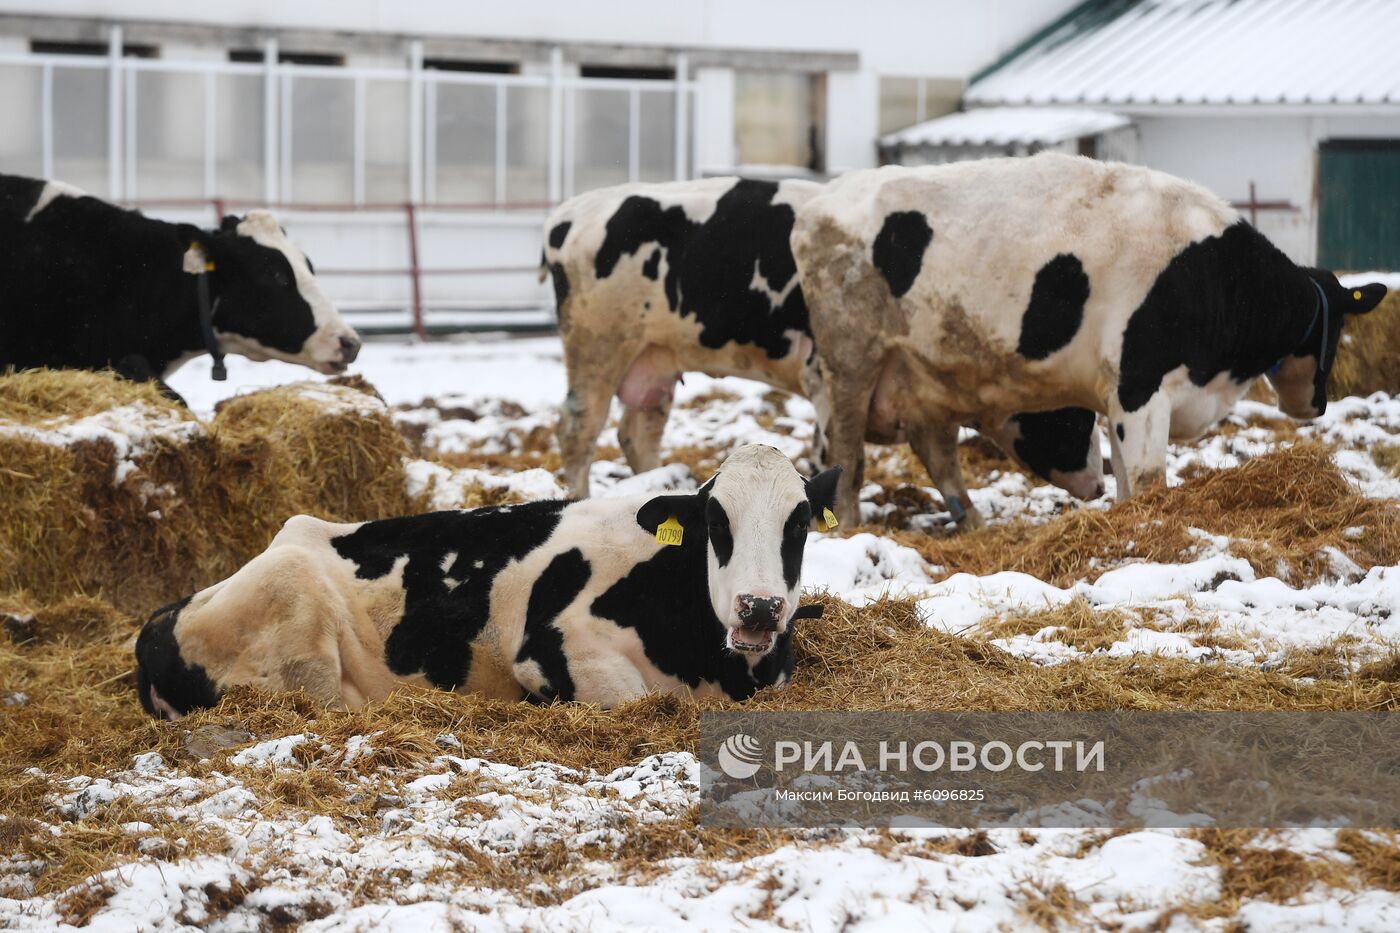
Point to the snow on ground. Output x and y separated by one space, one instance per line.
528 371
492 397
459 812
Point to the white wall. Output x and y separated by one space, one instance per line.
1279 154
952 37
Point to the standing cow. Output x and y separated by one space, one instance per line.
946 294
88 285
601 601
656 280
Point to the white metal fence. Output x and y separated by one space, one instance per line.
134 129
483 154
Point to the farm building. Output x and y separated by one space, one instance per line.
349 111
1291 110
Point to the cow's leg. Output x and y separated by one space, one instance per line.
1138 440
639 434
850 406
937 446
581 417
593 378
136 368
318 676
815 391
607 679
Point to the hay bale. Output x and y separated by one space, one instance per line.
91 465
328 450
109 489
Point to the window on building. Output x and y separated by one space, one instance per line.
627 73
129 50
472 65
780 118
907 101
288 58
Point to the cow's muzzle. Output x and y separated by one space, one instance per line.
760 620
349 349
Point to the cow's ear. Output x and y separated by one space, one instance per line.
821 490
230 223
682 508
196 260
1364 298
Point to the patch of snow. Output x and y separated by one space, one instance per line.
448 487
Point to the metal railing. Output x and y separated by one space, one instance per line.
406 216
289 133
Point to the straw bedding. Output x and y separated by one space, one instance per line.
92 536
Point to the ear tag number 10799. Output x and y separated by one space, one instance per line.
669 532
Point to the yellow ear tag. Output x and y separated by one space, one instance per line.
208 267
1356 295
669 532
829 517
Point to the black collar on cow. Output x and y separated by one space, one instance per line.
1322 310
206 323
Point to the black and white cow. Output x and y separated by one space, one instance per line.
965 292
655 280
89 285
601 601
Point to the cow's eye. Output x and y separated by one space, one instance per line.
796 529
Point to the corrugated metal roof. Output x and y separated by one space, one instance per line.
1007 126
1122 53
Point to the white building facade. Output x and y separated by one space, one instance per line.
432 135
1288 108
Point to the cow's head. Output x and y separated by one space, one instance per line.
270 305
1300 378
168 686
1062 447
754 515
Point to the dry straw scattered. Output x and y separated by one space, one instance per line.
82 717
1281 510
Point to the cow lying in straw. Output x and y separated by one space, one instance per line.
601 601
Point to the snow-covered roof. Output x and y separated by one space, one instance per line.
1122 53
1007 126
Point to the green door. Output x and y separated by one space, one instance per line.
1358 226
